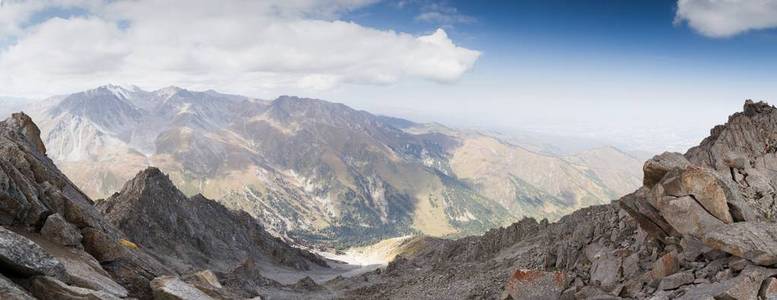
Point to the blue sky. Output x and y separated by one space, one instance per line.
660 72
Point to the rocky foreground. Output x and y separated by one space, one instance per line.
152 242
703 226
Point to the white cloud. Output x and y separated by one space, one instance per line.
236 45
725 18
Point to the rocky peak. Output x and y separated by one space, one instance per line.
753 108
194 233
23 124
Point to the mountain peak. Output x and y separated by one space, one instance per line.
752 108
23 124
151 180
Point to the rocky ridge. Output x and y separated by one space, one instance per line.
701 227
55 244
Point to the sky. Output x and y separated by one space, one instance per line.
640 74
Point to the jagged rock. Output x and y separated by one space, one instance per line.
173 288
655 168
606 269
60 231
11 291
307 284
190 234
676 280
101 246
769 289
81 269
744 286
20 255
666 265
206 277
709 191
756 242
534 284
28 129
688 217
44 287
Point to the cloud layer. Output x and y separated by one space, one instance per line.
726 18
235 45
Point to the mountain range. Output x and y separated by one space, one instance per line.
318 171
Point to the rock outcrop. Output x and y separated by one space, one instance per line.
195 233
703 226
55 244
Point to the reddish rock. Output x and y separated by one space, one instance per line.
535 284
666 265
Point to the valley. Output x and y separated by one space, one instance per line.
318 172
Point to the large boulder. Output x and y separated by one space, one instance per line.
655 168
756 242
60 231
22 256
44 287
173 288
11 291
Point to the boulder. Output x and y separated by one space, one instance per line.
81 269
60 231
205 278
744 286
10 291
102 246
687 216
173 288
655 168
535 284
22 256
605 269
756 242
769 289
666 265
709 190
676 280
44 287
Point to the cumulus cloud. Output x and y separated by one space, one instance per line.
726 18
236 45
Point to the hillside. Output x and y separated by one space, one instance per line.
317 171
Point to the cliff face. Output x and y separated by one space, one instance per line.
702 226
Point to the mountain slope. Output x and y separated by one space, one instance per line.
196 233
311 169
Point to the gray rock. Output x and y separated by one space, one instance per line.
676 280
769 289
606 269
44 287
756 242
688 217
189 233
23 256
11 291
173 288
666 265
655 168
60 231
